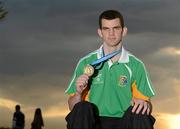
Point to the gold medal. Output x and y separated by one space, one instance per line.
89 70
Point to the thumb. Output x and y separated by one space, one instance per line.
132 102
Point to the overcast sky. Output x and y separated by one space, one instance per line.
41 42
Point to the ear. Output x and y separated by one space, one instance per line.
125 30
99 32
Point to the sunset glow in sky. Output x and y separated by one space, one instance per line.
41 42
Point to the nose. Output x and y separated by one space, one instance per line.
111 32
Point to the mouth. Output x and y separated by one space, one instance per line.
112 38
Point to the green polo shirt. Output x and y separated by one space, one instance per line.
111 85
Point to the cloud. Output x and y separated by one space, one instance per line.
56 111
38 36
77 17
163 65
36 90
170 51
41 42
166 60
7 103
167 98
168 121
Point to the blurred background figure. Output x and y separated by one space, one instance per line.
18 118
38 120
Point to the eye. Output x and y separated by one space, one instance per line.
105 28
117 28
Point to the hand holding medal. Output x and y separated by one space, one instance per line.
89 69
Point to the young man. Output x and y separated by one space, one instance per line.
18 118
102 91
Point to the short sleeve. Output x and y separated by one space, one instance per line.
142 81
72 85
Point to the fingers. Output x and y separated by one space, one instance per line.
141 105
82 80
148 110
134 107
145 107
81 83
139 108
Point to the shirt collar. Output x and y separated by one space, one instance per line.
124 55
100 52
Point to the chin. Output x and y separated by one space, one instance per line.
113 44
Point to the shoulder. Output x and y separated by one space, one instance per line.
135 60
22 113
88 58
135 63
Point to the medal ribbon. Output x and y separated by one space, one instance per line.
104 58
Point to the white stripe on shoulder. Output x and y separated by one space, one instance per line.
150 87
135 58
89 55
129 70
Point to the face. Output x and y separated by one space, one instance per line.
112 32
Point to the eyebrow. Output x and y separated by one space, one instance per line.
105 27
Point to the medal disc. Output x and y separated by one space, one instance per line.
89 70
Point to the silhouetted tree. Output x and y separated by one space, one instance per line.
3 12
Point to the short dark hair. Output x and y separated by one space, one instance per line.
17 107
109 15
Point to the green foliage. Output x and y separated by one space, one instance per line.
3 13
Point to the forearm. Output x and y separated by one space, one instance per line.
81 85
73 100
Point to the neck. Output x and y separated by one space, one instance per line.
110 49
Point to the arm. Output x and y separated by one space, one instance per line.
73 100
14 121
142 91
81 84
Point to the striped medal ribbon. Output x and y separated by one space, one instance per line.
89 69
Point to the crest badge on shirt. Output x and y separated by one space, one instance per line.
123 80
